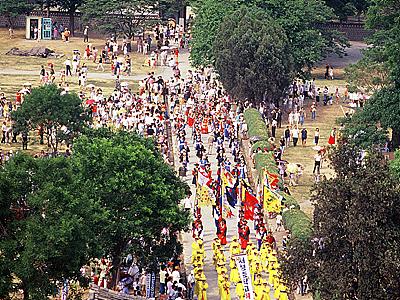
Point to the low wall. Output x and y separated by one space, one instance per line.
59 17
354 31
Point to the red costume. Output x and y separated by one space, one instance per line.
222 231
244 235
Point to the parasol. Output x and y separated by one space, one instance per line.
292 168
164 48
89 102
317 148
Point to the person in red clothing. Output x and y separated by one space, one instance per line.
270 239
222 231
244 235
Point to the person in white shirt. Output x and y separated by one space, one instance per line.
176 275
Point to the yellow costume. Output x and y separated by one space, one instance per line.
240 291
283 294
234 247
225 290
201 285
258 287
234 276
265 292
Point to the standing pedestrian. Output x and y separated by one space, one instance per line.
317 162
295 136
304 137
316 136
287 136
67 64
86 34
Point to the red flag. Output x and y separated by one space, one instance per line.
272 180
250 202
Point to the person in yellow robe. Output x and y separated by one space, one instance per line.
265 291
258 286
256 268
201 285
234 275
283 292
234 247
239 290
225 289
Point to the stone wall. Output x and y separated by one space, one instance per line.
59 17
353 31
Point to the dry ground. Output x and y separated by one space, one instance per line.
33 63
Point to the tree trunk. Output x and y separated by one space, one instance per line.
395 139
25 291
72 21
117 266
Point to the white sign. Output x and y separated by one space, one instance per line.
242 264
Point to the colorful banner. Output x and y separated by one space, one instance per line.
204 196
242 264
151 285
272 201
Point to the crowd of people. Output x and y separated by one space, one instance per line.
207 123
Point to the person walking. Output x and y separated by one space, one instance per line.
67 64
287 136
316 136
86 34
317 162
295 136
313 110
304 137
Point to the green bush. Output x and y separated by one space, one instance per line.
295 219
262 144
265 160
290 201
298 223
255 124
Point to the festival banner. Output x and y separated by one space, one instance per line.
242 264
150 285
272 201
205 196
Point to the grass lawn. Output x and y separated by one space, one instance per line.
34 63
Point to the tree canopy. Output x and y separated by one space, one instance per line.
124 17
126 175
308 43
46 228
382 61
61 115
114 196
12 9
252 56
209 16
354 249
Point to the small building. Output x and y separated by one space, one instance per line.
38 27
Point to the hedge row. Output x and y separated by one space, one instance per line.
295 219
255 124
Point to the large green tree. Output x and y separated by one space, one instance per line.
119 17
139 193
252 56
71 6
356 235
46 227
301 20
209 16
383 109
13 9
62 116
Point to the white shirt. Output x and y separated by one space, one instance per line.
176 276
